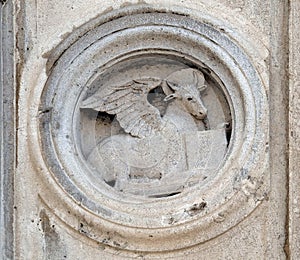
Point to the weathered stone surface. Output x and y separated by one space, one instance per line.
7 130
294 131
92 180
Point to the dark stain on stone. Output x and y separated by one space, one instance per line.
196 208
53 246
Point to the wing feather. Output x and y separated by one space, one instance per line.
117 95
117 108
130 105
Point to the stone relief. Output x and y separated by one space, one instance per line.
162 147
129 152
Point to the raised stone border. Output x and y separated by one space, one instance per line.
7 130
294 131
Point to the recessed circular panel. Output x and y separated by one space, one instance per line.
136 156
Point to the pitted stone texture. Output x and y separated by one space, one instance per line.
294 132
7 130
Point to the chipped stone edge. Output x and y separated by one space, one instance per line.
294 131
7 130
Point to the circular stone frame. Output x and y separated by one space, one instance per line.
175 222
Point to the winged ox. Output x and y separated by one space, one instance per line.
151 146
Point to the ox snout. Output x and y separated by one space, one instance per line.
201 114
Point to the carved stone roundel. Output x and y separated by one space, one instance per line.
153 124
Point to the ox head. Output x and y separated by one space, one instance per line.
185 85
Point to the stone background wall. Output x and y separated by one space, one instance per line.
294 106
32 228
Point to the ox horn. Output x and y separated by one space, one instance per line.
199 80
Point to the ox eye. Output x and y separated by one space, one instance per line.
189 99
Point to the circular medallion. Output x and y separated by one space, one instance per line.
155 127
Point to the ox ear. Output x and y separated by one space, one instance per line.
202 88
170 97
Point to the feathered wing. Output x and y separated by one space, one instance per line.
130 105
